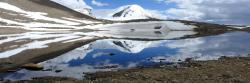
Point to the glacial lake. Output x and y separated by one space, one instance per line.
114 54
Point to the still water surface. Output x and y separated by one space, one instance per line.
114 54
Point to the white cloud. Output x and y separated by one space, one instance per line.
97 3
102 13
220 11
157 14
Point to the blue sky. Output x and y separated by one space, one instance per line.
147 4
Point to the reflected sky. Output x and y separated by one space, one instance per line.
113 54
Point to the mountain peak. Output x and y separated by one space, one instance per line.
131 12
135 7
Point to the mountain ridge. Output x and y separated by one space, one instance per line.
34 14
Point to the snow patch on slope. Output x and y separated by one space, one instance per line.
37 26
148 26
37 44
34 15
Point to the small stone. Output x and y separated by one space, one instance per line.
226 76
162 59
32 66
58 71
126 75
132 29
111 54
188 59
223 58
6 63
174 81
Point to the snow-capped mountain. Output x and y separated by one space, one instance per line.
77 5
130 12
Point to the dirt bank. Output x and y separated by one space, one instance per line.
7 30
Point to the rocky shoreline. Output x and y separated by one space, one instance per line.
224 70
